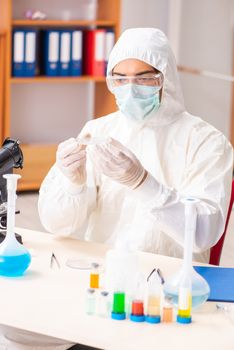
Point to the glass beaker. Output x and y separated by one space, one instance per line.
14 257
199 287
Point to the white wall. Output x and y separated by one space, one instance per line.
145 13
206 37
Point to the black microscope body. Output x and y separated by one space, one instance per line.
11 157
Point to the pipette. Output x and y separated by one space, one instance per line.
153 298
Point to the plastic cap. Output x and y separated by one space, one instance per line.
137 318
184 320
153 319
119 317
90 291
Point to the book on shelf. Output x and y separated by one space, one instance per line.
61 52
24 53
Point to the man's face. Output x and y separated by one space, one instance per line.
134 68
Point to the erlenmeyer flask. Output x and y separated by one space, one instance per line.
14 257
199 286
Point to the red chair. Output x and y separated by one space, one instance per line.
216 250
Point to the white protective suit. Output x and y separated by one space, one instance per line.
183 154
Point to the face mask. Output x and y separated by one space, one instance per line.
137 101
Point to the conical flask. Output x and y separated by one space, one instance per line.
199 287
14 257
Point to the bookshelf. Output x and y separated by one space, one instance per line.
39 156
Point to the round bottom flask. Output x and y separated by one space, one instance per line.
14 257
187 276
14 260
200 288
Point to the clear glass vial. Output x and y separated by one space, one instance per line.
90 301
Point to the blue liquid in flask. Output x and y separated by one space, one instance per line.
14 265
14 257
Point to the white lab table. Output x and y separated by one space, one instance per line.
52 302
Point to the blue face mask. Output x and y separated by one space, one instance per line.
137 101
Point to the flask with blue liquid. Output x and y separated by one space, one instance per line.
14 257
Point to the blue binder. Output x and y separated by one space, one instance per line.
51 53
18 53
30 39
65 52
220 280
76 52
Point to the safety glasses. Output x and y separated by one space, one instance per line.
154 80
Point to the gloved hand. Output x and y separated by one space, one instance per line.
117 162
71 160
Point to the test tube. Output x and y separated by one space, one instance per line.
118 309
137 313
167 313
153 301
184 305
90 301
103 304
94 276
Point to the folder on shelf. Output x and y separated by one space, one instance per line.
30 53
109 43
18 53
94 50
51 52
220 280
65 52
76 53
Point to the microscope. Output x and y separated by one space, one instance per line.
11 156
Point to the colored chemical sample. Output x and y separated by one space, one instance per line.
119 302
15 265
137 314
94 276
90 301
137 307
103 304
185 304
167 314
118 309
153 307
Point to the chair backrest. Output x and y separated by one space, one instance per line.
216 250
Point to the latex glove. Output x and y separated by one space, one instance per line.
71 160
117 162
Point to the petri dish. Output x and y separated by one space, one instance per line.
81 264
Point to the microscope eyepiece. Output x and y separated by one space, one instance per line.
11 155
